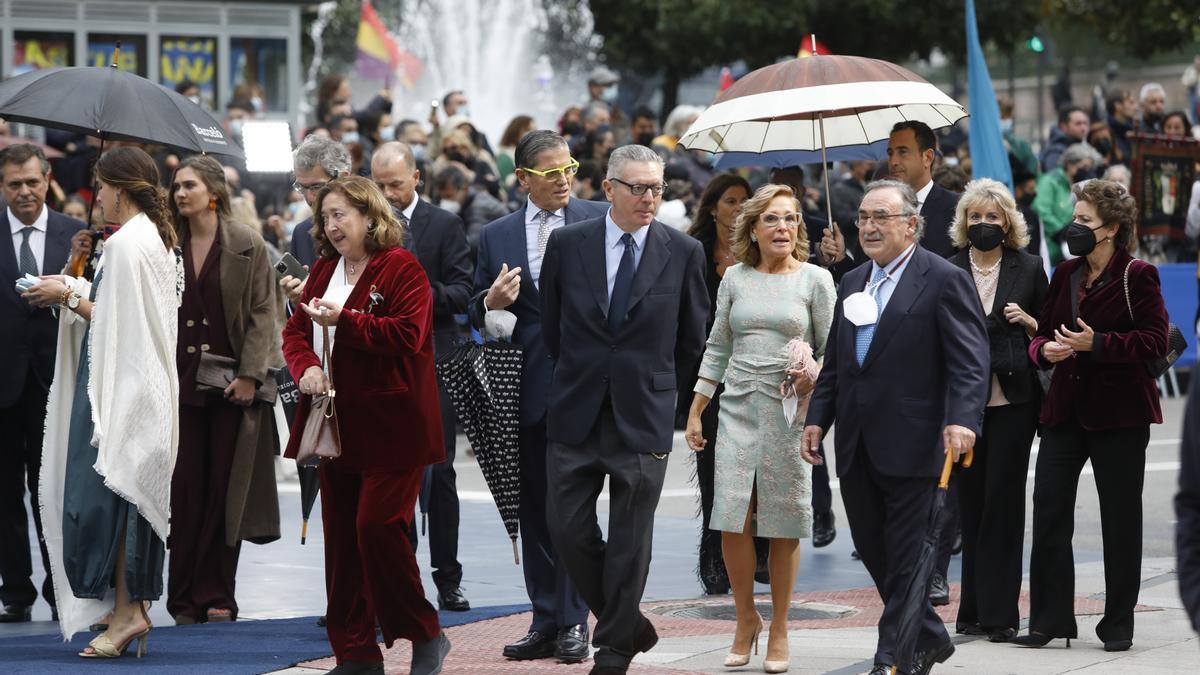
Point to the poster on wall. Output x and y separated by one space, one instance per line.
101 51
38 53
192 59
1164 171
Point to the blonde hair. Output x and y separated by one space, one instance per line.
987 192
746 251
366 198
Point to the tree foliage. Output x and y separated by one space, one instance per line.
1139 26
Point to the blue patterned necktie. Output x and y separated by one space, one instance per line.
863 334
618 302
28 261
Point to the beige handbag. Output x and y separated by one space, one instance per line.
320 441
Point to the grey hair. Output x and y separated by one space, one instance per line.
318 151
909 205
1150 88
627 154
589 113
1119 173
1079 152
676 124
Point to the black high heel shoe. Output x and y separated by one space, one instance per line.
1034 640
1117 645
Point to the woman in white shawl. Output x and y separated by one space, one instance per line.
112 420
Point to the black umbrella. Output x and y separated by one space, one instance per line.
916 596
484 382
310 480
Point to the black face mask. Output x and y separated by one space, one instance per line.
1026 200
645 139
985 236
1082 174
455 156
1103 146
1080 239
1152 120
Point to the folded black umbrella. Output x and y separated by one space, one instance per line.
310 479
484 383
916 594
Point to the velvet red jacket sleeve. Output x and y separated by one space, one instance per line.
401 325
1148 340
297 341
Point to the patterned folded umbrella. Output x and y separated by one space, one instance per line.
484 382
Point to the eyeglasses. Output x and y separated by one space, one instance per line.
561 171
637 189
878 218
773 219
311 187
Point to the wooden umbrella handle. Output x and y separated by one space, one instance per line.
967 458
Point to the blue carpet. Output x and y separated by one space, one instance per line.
241 647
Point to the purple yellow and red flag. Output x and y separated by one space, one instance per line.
379 57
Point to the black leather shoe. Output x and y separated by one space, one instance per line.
534 645
1001 634
923 661
608 670
1034 640
823 532
321 621
358 668
428 657
572 644
16 614
452 599
969 629
939 592
854 555
881 669
1117 645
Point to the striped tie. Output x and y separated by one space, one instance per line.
863 334
28 261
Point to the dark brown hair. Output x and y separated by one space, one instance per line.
133 172
704 225
210 172
515 131
1114 205
366 198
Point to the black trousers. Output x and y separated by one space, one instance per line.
443 492
1119 460
991 498
21 427
889 517
611 576
556 602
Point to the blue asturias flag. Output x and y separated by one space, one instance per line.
989 159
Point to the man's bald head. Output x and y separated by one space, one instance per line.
394 170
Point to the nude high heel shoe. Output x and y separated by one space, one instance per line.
735 660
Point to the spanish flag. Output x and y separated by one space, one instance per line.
379 57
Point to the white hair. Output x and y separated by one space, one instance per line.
677 122
1150 88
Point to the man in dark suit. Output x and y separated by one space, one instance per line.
39 243
317 161
1187 508
911 151
507 274
906 379
439 241
624 306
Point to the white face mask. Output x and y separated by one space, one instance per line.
451 206
350 137
387 134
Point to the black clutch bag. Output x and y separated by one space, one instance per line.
215 373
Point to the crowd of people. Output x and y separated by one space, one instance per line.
921 322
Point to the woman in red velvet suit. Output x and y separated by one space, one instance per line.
377 302
1100 407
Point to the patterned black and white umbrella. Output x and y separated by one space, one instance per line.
484 382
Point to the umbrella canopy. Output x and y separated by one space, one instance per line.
916 594
484 383
112 104
819 102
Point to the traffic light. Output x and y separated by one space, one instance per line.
1035 45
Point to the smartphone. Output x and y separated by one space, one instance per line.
289 266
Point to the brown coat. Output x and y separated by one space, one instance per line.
248 293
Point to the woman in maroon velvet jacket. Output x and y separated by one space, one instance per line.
376 300
1100 407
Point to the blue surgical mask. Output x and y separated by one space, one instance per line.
350 137
1006 126
387 134
235 127
418 152
464 111
609 94
256 102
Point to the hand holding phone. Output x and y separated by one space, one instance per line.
288 266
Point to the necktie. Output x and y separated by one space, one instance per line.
28 261
543 217
863 334
618 302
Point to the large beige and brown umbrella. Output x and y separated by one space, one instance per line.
816 109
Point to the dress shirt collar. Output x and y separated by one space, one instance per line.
411 208
923 193
612 234
39 224
532 210
894 275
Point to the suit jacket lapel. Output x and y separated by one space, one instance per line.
516 254
58 246
8 255
1010 271
595 267
853 282
654 261
911 285
416 226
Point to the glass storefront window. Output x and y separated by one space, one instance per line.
102 48
258 72
34 50
193 59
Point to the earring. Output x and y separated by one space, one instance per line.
370 225
753 239
212 204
